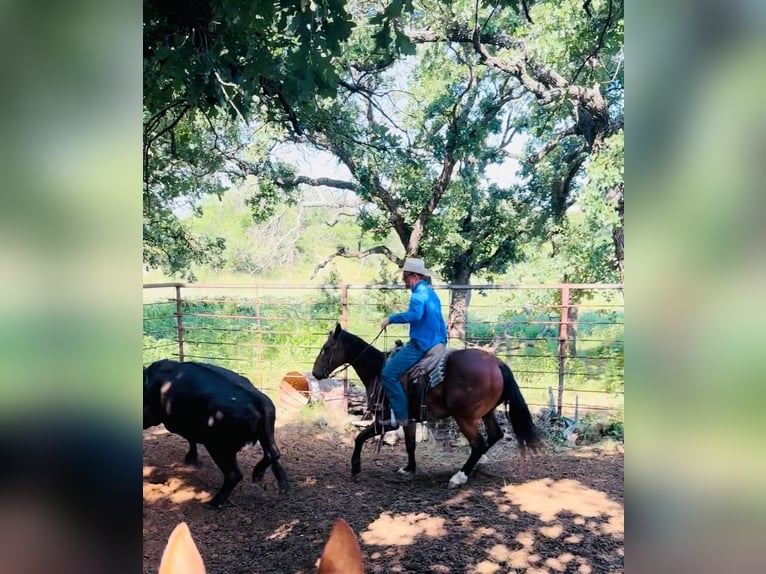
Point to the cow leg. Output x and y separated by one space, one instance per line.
191 457
260 469
281 476
226 459
271 457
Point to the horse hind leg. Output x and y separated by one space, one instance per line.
494 433
470 429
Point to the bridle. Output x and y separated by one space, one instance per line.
347 364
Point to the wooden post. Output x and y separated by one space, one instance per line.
563 342
179 324
344 321
344 305
259 348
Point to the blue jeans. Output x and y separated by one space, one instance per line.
399 364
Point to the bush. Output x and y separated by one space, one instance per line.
593 428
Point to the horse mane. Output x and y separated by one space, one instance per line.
358 347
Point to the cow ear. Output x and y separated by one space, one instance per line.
341 553
337 331
181 555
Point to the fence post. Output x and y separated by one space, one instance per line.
179 324
259 347
344 320
344 305
563 342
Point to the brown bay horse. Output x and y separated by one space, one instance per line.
475 383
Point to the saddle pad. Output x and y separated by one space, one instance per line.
428 362
431 365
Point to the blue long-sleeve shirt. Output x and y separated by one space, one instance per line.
424 315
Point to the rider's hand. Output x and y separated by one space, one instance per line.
384 323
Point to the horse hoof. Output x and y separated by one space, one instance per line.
458 479
405 473
355 478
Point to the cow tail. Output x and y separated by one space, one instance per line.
517 412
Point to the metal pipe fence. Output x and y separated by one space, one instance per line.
564 343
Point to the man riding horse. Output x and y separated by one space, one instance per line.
427 329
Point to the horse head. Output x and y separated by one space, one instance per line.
331 355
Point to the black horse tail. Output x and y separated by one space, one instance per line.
517 412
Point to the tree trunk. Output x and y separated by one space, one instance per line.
572 331
575 296
618 233
460 300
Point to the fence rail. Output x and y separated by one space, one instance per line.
564 341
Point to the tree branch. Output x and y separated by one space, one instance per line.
338 215
149 139
341 252
152 122
226 94
550 146
368 94
378 192
461 33
316 181
600 43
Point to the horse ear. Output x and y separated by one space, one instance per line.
337 331
341 553
181 555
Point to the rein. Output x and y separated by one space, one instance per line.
376 394
350 363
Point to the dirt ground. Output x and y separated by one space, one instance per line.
558 512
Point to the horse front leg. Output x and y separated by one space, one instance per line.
409 443
192 458
364 435
470 429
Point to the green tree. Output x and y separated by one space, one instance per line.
567 57
419 135
215 67
212 69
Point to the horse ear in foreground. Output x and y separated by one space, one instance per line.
181 555
474 384
341 553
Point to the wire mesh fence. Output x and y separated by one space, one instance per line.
564 343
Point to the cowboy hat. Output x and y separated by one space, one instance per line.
414 265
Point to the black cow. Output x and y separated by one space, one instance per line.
218 408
